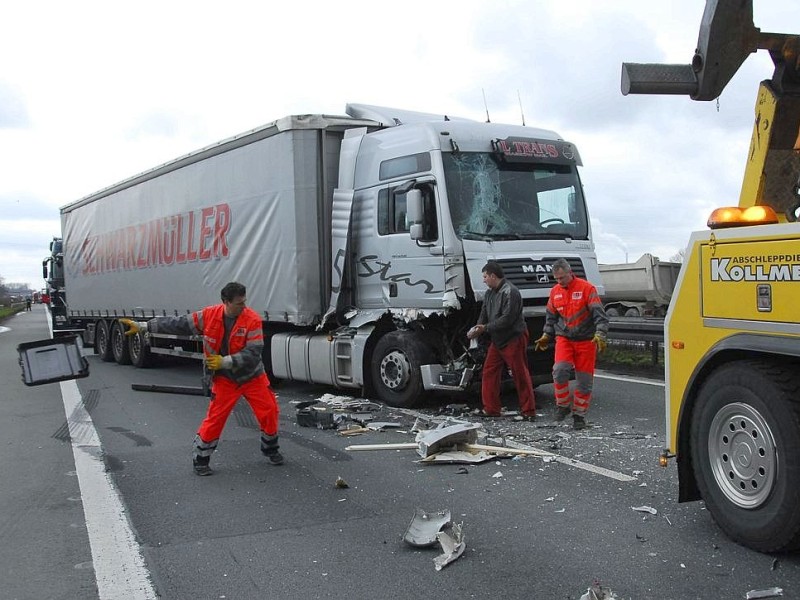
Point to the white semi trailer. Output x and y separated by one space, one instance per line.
360 239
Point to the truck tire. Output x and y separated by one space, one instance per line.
745 446
139 351
102 341
119 344
396 368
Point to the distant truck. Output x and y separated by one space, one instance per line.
360 239
639 289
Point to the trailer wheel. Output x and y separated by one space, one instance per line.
396 368
139 351
119 344
745 443
102 341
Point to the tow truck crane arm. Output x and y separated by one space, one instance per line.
727 37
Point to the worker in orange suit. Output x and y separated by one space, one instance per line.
576 318
233 340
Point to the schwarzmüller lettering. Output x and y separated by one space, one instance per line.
174 239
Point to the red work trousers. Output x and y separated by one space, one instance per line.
581 355
224 394
514 354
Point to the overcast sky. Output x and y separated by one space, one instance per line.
94 92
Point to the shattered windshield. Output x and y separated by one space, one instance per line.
519 201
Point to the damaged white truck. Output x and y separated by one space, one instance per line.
360 239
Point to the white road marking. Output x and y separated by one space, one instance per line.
655 382
118 563
119 567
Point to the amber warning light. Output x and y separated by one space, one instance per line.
733 216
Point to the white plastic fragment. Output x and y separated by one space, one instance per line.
773 592
453 545
645 509
498 474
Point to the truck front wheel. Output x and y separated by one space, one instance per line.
745 442
102 341
396 368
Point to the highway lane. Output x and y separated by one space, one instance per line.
541 529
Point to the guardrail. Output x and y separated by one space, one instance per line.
633 329
636 329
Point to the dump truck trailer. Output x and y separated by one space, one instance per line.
360 239
639 289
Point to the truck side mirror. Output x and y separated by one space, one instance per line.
414 210
44 269
416 231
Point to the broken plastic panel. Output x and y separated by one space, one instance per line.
424 527
52 360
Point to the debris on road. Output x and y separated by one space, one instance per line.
451 438
598 592
341 484
424 526
645 509
773 592
383 425
451 457
452 546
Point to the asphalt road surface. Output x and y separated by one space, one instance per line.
98 500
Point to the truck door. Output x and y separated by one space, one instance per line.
394 270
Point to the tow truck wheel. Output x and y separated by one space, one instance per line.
395 368
102 341
119 344
745 446
139 351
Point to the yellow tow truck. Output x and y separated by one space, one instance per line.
732 331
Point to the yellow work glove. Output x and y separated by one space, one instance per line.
133 326
599 340
542 343
215 362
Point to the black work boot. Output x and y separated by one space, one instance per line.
579 422
562 412
269 448
201 467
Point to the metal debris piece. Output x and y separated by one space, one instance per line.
381 425
462 471
645 509
353 431
424 527
452 457
453 545
598 592
774 564
773 592
445 437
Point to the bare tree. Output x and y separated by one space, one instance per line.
678 256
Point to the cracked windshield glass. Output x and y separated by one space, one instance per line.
500 201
